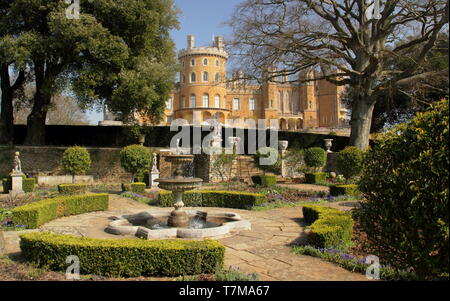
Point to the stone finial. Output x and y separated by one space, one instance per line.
190 41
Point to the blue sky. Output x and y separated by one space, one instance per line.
201 18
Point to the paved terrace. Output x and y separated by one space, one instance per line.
264 249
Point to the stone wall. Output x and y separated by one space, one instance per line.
105 166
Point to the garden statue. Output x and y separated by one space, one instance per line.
17 163
155 164
154 174
16 175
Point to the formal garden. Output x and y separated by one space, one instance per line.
382 212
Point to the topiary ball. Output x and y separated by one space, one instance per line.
315 157
76 160
349 161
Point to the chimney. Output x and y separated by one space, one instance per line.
190 41
219 42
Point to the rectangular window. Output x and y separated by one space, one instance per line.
252 104
205 100
192 101
235 104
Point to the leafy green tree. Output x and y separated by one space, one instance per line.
135 159
117 52
405 184
76 161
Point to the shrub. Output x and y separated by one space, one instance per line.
350 189
134 187
316 177
330 228
135 159
28 184
72 188
124 257
349 162
265 180
38 213
405 181
206 198
267 152
76 160
315 157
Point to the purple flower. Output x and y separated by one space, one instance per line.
330 198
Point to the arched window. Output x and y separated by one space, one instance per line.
205 76
217 63
217 101
169 103
183 102
193 77
205 62
193 100
193 62
309 104
236 104
216 77
205 100
252 104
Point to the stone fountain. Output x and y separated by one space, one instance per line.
178 185
179 222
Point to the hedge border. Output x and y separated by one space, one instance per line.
214 198
316 177
138 187
38 213
265 180
330 227
124 257
72 188
348 189
28 184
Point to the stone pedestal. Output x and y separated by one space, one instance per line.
17 180
152 177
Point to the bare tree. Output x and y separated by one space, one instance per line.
64 111
347 42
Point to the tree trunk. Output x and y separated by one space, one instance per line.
42 99
362 109
7 111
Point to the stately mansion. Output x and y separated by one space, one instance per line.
204 92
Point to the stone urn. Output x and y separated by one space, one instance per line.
328 144
283 145
141 139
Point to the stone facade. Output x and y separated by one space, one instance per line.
204 92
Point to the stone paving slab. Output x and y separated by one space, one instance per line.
265 249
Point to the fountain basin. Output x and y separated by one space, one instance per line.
153 225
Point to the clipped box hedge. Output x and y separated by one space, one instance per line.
330 228
72 188
213 198
316 177
124 257
38 213
350 189
138 187
28 184
265 180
